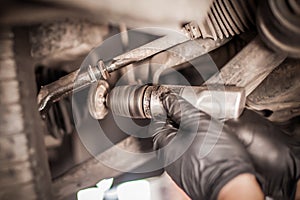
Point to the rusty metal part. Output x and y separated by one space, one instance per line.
59 120
96 98
278 96
144 101
63 87
175 56
91 171
53 92
80 79
146 51
249 67
192 30
181 54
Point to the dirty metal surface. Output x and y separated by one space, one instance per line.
249 67
278 96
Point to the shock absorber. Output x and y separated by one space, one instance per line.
143 101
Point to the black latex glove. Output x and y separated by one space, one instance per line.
214 154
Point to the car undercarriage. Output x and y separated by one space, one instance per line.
67 66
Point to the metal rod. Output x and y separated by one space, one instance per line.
222 102
79 79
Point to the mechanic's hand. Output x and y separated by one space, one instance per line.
274 154
213 156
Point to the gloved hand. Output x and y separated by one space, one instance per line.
202 154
